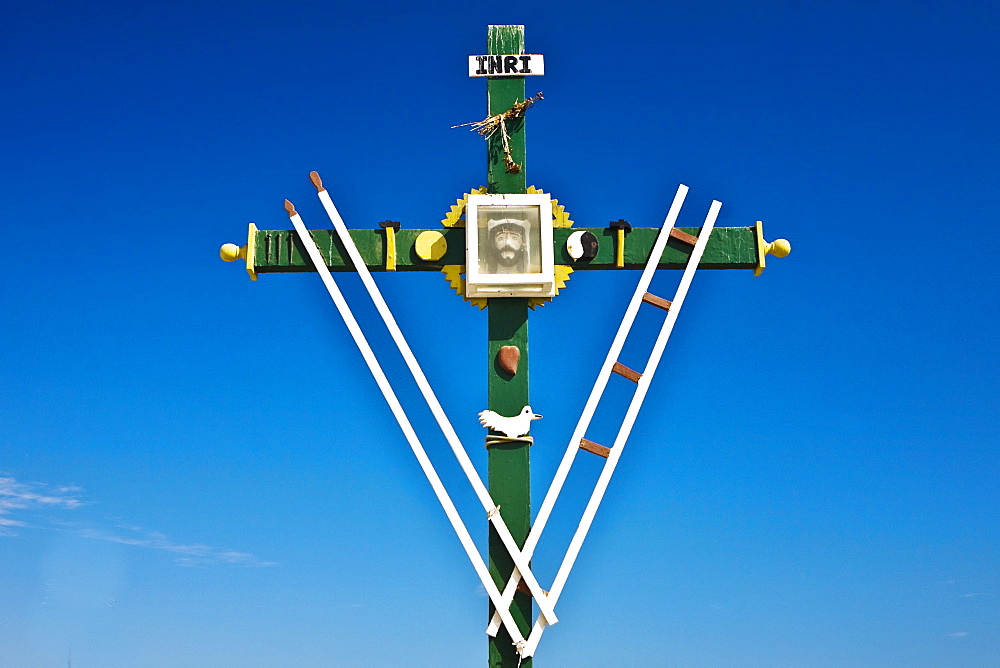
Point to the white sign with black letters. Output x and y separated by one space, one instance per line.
523 65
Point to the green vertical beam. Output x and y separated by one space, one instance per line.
509 465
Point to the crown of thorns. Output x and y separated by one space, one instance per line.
504 224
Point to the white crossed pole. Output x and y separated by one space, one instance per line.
428 394
631 414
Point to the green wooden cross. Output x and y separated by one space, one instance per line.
395 249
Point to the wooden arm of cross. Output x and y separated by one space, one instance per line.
279 251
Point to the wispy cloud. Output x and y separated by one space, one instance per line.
958 634
25 498
20 501
188 554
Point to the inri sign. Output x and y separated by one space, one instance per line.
524 65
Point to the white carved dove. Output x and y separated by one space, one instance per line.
511 427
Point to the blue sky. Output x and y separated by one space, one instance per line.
197 470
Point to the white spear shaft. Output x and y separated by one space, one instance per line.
520 562
397 410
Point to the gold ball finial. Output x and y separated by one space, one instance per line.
231 252
779 248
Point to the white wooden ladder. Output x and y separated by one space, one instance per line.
642 380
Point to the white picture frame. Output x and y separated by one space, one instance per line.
508 247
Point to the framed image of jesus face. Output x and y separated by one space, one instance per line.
509 246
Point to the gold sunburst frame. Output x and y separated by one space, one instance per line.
453 273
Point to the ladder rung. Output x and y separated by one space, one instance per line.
658 302
683 236
595 448
626 372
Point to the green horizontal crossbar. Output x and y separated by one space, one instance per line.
280 251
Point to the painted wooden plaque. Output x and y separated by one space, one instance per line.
519 65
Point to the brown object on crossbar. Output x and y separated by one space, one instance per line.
595 448
658 302
626 372
683 236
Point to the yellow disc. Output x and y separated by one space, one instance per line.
430 245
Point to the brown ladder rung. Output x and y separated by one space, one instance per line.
595 448
626 372
658 302
683 236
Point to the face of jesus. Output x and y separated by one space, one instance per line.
508 242
508 239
